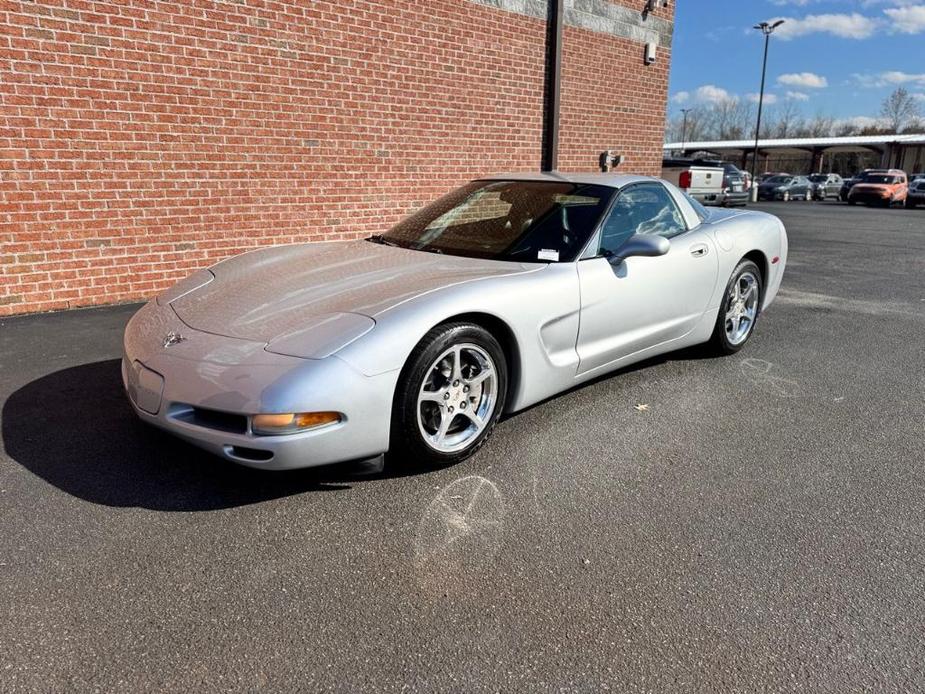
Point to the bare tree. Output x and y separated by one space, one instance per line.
695 128
785 121
732 119
819 126
898 109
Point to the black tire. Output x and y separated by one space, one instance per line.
852 202
719 343
910 205
408 446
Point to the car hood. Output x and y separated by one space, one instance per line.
323 292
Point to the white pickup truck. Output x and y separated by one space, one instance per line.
708 182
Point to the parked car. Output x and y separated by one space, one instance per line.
770 174
849 183
916 194
887 189
732 190
414 341
785 188
825 185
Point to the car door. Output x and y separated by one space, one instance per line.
642 302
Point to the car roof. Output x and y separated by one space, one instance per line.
612 180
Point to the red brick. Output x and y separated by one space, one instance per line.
140 141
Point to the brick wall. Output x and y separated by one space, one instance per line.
140 140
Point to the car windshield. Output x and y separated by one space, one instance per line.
779 180
526 221
875 178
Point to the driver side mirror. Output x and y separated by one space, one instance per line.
649 245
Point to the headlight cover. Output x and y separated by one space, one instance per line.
185 286
322 336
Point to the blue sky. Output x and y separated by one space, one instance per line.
837 58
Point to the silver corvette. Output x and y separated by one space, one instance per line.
497 296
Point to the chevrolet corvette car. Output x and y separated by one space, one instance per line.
413 342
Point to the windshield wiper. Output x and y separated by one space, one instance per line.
379 238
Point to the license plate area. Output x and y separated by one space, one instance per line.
145 387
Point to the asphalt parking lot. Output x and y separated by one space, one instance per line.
761 525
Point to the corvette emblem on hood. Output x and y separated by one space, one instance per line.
173 338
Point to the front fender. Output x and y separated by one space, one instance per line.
540 308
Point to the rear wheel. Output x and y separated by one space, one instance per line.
739 310
450 395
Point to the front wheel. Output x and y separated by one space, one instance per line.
786 196
450 395
739 310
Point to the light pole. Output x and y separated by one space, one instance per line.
685 111
766 28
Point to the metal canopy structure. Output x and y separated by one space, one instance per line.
900 151
851 143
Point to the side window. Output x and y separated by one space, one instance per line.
644 208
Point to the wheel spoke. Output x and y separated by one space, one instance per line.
445 420
456 362
473 416
478 378
432 396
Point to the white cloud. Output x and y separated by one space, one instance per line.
806 80
681 97
797 96
849 26
710 93
919 96
908 19
891 78
768 98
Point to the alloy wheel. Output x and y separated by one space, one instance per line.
457 398
742 308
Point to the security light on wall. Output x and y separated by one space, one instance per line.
652 5
651 53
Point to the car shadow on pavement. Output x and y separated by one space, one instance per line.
75 429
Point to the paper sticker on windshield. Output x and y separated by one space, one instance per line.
546 254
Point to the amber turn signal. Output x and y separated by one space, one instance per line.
288 423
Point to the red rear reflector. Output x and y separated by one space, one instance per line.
775 260
684 181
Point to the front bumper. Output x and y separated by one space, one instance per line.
205 388
869 198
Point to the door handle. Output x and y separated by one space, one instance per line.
699 250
